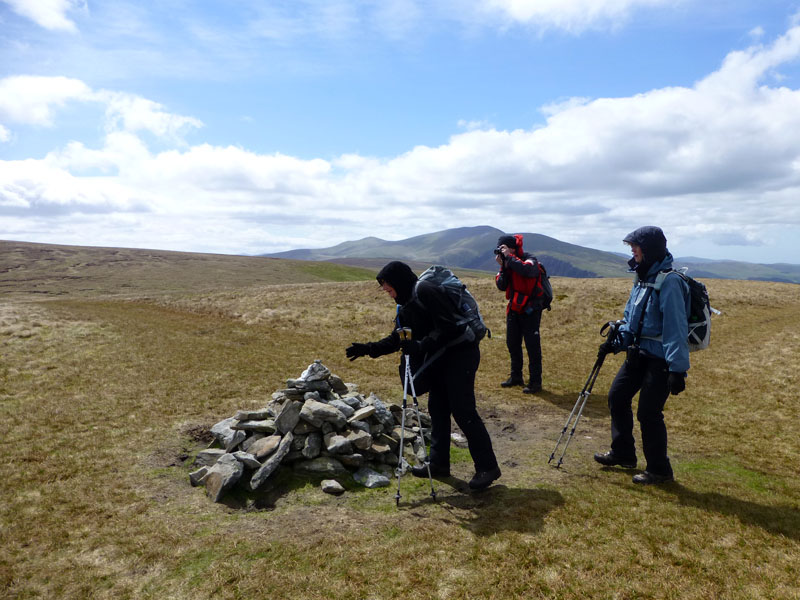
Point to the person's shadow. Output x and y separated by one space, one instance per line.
596 406
497 508
780 519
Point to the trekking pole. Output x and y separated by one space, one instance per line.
421 430
402 463
579 404
611 331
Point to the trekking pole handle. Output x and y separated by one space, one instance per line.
611 329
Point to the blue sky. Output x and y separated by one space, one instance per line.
256 126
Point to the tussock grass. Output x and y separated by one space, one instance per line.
104 401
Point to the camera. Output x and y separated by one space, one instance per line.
498 250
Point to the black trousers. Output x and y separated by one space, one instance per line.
525 327
452 393
649 378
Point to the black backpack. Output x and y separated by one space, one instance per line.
465 307
700 309
465 310
547 290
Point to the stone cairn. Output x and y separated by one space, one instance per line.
320 427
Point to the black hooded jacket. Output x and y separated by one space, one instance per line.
421 306
653 243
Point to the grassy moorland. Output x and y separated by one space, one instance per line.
107 392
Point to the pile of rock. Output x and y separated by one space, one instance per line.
319 426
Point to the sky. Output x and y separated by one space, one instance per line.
257 126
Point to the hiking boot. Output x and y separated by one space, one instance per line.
648 478
436 471
609 459
484 479
512 381
532 388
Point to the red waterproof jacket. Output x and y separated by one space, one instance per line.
520 278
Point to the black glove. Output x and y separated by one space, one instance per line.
676 382
606 347
411 347
356 350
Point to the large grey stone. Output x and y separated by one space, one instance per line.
247 459
351 461
301 386
362 414
222 476
318 413
304 428
197 477
264 447
337 444
353 399
382 412
360 439
316 371
223 432
347 410
312 446
331 486
292 393
408 434
239 436
370 479
269 466
323 465
337 385
251 439
359 426
289 416
263 426
209 457
387 440
252 415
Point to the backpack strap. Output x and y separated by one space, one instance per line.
647 293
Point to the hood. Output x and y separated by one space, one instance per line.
400 276
653 243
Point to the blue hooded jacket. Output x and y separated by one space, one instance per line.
665 328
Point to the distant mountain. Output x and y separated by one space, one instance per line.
700 268
467 248
472 248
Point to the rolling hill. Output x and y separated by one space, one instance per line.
471 248
468 248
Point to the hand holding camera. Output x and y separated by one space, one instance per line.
501 253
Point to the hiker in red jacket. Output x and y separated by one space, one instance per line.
520 278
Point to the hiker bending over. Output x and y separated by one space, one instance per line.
520 278
449 379
654 334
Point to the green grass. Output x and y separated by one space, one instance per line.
102 399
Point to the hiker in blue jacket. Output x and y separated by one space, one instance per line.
654 335
450 377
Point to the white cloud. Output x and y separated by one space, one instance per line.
719 160
35 100
132 113
50 14
571 15
32 100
